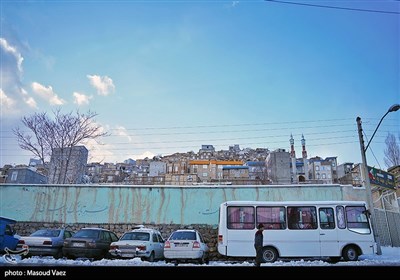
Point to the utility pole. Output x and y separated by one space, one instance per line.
367 185
365 175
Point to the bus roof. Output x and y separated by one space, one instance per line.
303 202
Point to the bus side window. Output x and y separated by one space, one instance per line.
293 218
326 219
273 217
340 217
304 217
240 217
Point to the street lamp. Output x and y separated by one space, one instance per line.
364 170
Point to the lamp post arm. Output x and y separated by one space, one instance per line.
369 142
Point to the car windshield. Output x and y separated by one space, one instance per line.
46 233
183 235
143 236
86 233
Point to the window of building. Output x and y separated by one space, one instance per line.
14 176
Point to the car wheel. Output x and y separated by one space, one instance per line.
204 259
350 254
70 257
151 258
59 254
207 260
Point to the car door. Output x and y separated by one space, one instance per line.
7 238
158 245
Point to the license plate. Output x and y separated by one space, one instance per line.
128 255
78 244
181 244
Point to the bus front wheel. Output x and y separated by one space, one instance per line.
350 253
269 255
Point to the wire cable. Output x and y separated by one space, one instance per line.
334 7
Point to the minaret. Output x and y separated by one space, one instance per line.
304 154
303 144
292 152
293 159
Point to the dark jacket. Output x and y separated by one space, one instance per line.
258 239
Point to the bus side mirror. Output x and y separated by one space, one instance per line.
366 212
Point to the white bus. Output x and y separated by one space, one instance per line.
315 229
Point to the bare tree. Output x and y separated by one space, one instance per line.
392 151
64 131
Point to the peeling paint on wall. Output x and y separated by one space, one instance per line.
148 204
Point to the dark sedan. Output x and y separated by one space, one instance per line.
91 243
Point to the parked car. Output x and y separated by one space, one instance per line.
89 243
45 242
186 245
8 237
145 243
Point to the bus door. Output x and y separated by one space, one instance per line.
328 233
240 231
302 239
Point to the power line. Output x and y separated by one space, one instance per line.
334 7
349 120
191 147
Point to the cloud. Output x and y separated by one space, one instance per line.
81 99
7 104
146 154
104 85
13 95
47 93
110 151
13 51
121 131
29 100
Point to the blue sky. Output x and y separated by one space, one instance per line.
169 76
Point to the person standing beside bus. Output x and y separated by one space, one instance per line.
258 243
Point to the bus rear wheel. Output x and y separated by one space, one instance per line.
269 255
350 253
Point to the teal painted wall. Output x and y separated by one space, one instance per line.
148 204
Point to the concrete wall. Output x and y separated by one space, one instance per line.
184 205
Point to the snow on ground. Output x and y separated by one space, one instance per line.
390 257
62 269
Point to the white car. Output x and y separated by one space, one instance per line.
186 245
45 242
145 243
